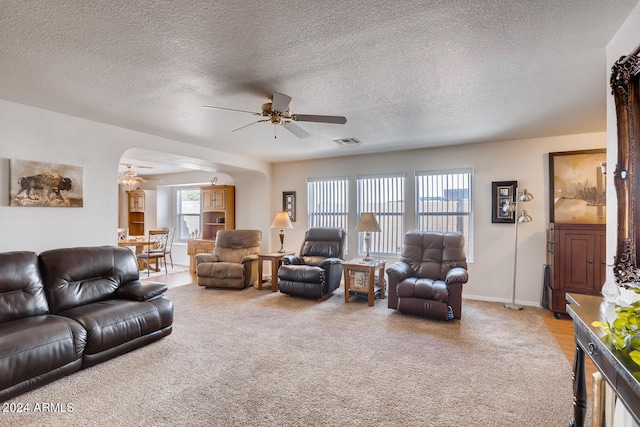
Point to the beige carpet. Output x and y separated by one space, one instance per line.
257 358
162 273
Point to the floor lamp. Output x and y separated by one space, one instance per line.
523 216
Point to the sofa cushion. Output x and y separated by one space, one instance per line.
35 346
113 322
423 288
230 255
21 289
302 273
221 270
433 253
234 245
77 276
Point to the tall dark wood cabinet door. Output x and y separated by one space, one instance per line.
576 254
578 261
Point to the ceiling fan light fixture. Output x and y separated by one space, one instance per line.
348 142
129 179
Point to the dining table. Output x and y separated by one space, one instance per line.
139 243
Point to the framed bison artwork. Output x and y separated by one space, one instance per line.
45 184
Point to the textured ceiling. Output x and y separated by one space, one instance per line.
406 74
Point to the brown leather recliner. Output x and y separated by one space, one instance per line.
317 270
234 261
428 279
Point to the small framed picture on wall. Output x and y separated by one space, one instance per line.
289 204
503 194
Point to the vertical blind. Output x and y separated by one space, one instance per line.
384 196
327 202
444 203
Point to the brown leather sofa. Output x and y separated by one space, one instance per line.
71 308
317 270
428 279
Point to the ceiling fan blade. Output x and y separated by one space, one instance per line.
296 130
231 109
280 102
339 120
253 123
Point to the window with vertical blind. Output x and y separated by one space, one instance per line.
328 202
444 203
384 196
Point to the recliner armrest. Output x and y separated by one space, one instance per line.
330 261
457 275
292 260
399 271
205 257
248 258
138 291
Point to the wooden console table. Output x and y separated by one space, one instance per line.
585 309
198 246
369 269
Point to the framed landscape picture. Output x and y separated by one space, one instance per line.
578 187
503 193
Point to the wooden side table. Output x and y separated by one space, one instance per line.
276 260
369 271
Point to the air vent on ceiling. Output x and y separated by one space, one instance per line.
348 142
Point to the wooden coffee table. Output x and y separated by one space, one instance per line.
368 268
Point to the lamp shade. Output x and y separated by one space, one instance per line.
525 196
367 222
524 217
281 221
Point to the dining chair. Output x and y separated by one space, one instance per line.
167 250
156 250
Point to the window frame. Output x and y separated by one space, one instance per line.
179 215
395 235
469 212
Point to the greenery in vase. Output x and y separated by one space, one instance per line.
624 332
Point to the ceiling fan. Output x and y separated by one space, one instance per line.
128 178
278 111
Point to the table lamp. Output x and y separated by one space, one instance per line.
281 221
367 223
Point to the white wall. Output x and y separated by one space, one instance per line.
491 274
29 133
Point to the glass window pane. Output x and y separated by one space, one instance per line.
327 202
384 196
444 203
188 214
